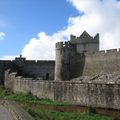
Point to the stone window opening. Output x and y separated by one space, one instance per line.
47 76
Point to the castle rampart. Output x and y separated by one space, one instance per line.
100 62
63 45
86 94
93 63
28 68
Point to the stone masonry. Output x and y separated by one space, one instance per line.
81 74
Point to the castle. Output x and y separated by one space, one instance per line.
81 74
68 56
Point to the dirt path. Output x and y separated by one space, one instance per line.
10 110
4 113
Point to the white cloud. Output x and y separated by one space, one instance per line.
42 47
99 16
2 35
10 57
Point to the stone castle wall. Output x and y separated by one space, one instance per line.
85 94
102 62
86 64
28 68
78 65
38 69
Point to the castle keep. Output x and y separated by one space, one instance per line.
70 58
81 74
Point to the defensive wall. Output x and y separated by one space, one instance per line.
102 62
28 68
70 64
86 94
38 69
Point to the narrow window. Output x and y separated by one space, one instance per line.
47 76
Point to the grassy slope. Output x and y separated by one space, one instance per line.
28 100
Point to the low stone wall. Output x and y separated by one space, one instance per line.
85 94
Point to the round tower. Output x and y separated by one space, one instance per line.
62 64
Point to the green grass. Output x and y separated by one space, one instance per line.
20 97
55 115
29 102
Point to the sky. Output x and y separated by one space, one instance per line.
32 27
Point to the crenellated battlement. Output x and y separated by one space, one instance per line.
61 45
73 38
23 60
103 52
112 51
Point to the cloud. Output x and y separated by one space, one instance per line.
10 57
42 47
96 16
2 35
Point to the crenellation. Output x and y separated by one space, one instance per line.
13 74
62 45
59 45
111 51
38 61
20 58
104 52
72 37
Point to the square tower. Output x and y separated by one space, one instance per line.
86 43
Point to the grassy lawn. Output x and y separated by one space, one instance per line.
29 102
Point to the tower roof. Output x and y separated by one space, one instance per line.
85 35
84 38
